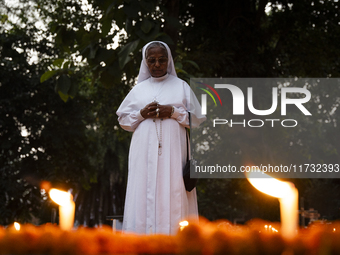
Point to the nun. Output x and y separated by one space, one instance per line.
157 110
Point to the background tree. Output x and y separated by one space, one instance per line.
268 39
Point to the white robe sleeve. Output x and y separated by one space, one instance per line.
194 108
130 122
181 116
128 112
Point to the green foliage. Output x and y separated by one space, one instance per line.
82 34
124 53
47 75
41 137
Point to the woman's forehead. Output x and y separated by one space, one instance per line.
156 50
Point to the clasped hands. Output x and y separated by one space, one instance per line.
150 111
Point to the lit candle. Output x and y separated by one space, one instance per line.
17 226
288 198
183 224
66 208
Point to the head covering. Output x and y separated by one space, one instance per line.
144 72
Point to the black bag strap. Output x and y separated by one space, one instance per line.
187 137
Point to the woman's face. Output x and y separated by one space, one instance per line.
157 61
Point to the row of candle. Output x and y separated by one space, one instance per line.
196 237
284 191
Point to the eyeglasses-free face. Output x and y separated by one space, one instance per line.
157 61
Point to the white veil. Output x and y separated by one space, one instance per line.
144 72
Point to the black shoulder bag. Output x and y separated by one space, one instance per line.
189 183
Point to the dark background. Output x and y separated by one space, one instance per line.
62 79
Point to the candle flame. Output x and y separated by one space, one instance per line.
269 185
183 224
62 198
17 226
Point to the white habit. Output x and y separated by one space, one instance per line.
156 199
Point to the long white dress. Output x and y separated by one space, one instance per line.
156 199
